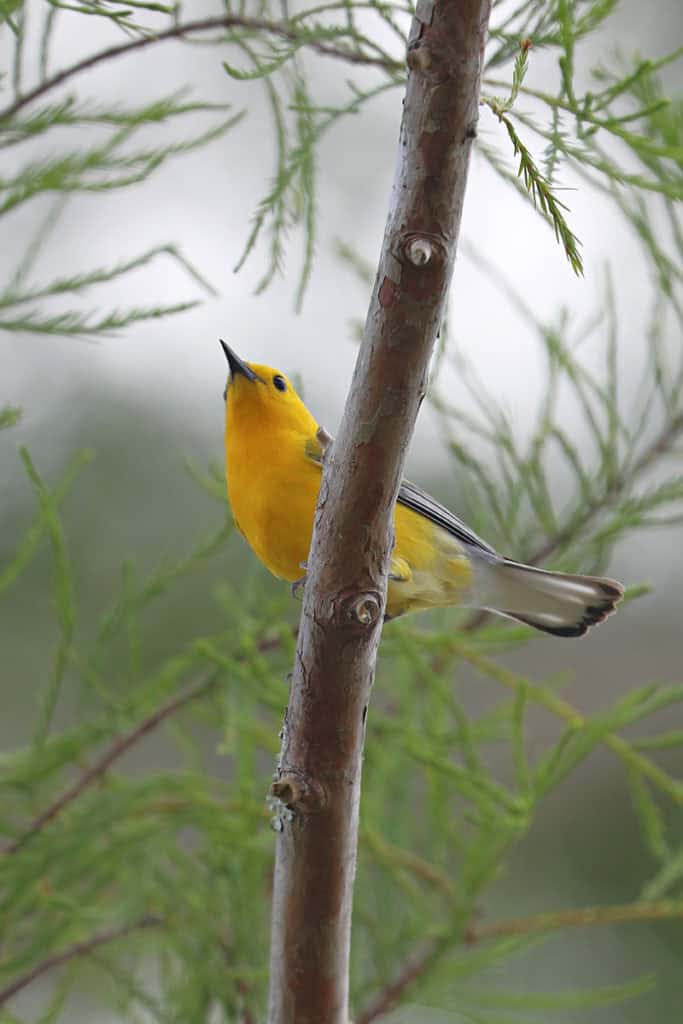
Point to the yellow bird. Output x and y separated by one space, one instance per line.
273 470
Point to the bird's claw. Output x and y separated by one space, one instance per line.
298 585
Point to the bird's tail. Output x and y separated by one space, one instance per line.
554 602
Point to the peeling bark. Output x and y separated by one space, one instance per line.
317 786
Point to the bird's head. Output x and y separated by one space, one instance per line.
261 395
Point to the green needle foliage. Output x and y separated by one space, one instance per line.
95 855
112 162
609 490
153 886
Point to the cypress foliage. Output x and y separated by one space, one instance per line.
154 886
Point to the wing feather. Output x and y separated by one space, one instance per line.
412 497
419 501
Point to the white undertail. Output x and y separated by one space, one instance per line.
554 602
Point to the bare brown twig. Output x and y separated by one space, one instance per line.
79 949
576 918
424 956
113 752
121 745
192 28
662 444
410 971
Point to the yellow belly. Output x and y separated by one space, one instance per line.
440 571
275 515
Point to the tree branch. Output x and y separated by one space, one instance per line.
79 949
276 28
116 750
120 746
418 962
568 713
318 777
413 967
661 445
580 917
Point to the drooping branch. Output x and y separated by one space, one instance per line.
614 491
420 960
78 950
411 970
318 778
190 28
579 917
120 746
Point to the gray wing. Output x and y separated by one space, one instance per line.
419 501
412 497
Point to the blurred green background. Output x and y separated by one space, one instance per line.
148 401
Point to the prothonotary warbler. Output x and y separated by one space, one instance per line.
273 467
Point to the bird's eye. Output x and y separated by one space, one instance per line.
279 382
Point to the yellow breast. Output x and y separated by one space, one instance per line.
273 502
440 572
273 488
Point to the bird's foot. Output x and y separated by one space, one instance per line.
298 585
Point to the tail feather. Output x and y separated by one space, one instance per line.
554 602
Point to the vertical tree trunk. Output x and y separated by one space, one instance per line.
318 778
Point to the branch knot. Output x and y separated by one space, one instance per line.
419 251
421 248
364 609
419 56
295 791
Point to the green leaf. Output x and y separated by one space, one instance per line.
9 416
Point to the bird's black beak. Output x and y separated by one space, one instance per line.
236 364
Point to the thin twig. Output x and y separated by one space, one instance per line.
121 745
387 998
662 444
419 961
105 761
190 28
79 949
564 710
576 918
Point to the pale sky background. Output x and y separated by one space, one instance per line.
204 201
